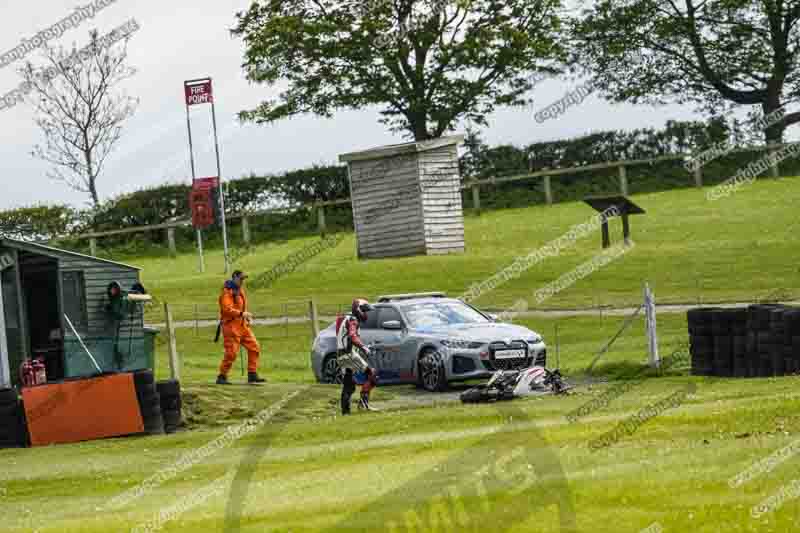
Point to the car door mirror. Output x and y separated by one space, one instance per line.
392 324
492 317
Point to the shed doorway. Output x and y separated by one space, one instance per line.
41 304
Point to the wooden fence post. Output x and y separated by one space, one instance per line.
312 310
698 177
548 190
93 247
321 219
174 360
623 180
246 230
171 242
476 197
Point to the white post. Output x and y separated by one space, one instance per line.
200 251
5 369
650 319
174 360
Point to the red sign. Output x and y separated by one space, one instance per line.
202 202
198 93
205 183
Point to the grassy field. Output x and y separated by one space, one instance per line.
308 469
739 248
429 463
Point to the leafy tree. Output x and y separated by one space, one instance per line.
714 53
426 63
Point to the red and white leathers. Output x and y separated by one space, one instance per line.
349 346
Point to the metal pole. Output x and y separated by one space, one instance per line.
80 340
221 193
191 159
191 149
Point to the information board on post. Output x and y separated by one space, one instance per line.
197 92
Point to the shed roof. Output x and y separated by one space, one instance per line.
400 149
55 252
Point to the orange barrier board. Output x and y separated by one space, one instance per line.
81 410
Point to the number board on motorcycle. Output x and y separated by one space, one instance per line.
509 354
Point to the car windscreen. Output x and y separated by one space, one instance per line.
433 314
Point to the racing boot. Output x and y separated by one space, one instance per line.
363 403
222 379
254 379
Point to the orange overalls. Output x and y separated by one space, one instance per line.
235 330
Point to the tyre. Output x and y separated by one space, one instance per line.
13 432
154 425
763 338
146 391
753 364
475 395
9 410
170 403
700 315
701 331
143 377
701 343
721 322
330 370
168 387
791 321
764 366
151 407
740 369
739 346
172 420
431 374
8 396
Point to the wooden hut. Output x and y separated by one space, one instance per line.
39 286
407 198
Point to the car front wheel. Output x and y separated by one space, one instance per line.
330 370
432 375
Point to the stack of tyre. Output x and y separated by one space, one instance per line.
757 341
12 422
791 340
170 393
149 402
701 341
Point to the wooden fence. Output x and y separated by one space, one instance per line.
474 186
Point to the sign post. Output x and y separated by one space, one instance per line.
198 92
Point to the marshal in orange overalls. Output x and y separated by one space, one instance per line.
235 329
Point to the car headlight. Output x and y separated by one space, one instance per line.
450 343
536 339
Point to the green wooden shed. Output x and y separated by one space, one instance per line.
40 285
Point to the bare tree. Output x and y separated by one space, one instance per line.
79 111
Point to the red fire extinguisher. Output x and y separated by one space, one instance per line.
27 375
39 371
32 373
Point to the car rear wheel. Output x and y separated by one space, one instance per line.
330 370
432 375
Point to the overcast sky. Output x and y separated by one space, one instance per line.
181 40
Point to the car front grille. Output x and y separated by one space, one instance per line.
493 364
